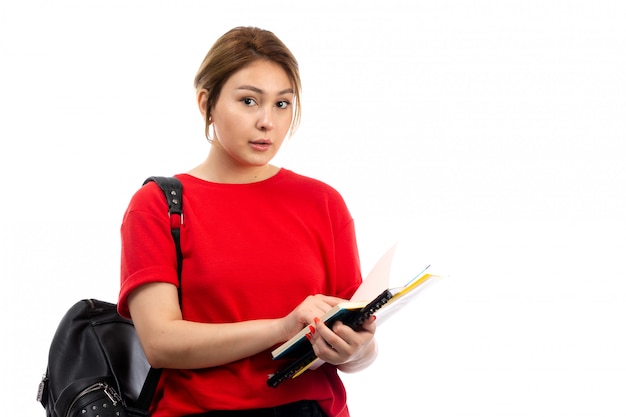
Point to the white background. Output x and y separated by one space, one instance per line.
486 137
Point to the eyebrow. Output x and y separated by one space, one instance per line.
259 91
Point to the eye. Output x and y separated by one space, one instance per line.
283 104
248 101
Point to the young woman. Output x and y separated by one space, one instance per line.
266 253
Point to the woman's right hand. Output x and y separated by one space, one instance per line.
306 312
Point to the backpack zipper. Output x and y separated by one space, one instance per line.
42 387
108 391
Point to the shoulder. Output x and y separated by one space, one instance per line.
146 194
148 198
316 194
310 184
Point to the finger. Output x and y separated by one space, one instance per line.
327 340
369 325
332 301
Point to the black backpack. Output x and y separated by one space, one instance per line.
96 365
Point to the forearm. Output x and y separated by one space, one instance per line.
171 342
189 345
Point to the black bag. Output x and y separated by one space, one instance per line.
96 365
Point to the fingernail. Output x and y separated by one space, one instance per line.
308 336
312 329
316 320
374 318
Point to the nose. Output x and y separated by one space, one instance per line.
265 121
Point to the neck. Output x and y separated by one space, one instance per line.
214 171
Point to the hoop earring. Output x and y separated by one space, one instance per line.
207 131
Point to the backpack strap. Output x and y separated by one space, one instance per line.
173 190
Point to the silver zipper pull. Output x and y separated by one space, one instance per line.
112 394
42 387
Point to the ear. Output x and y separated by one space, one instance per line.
202 98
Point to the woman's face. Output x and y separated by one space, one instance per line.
253 113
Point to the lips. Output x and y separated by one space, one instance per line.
261 141
261 144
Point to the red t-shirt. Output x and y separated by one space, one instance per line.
251 251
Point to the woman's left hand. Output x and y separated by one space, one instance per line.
341 345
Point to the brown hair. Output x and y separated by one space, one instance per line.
240 47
